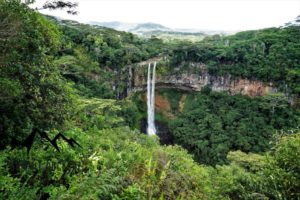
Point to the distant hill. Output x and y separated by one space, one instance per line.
158 30
152 27
132 27
148 27
121 26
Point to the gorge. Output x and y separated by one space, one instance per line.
193 77
88 112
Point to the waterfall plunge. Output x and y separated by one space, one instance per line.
151 100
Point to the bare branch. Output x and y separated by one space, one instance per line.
53 5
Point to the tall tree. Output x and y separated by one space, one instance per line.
33 94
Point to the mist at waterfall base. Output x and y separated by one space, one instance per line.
151 130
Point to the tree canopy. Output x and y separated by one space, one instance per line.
33 93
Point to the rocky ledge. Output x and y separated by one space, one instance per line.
195 79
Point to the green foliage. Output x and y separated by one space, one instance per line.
101 114
113 164
95 58
282 170
213 124
250 161
114 161
122 164
272 176
84 72
33 94
130 113
270 55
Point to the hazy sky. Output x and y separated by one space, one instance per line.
197 14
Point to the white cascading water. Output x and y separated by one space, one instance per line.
151 130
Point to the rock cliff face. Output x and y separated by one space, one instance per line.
195 76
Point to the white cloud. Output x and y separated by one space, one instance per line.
200 14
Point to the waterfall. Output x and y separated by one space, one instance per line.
151 100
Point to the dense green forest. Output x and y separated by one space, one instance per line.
270 55
69 130
106 52
213 124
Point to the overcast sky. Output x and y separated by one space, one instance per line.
196 14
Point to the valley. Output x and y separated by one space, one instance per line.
145 111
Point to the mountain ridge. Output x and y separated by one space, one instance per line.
148 27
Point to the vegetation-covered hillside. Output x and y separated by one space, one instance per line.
210 124
69 131
95 57
271 55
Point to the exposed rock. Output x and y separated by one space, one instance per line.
162 105
181 103
197 77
